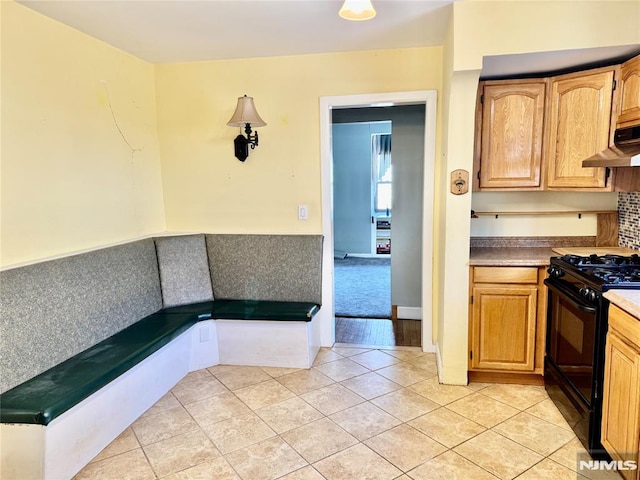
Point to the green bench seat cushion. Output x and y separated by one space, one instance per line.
264 310
53 392
249 310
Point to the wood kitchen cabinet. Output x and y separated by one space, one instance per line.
579 123
628 112
507 324
621 401
533 134
509 149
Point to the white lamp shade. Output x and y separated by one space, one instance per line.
246 113
357 10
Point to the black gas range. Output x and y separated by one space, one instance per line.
577 324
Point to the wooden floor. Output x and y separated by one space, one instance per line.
375 331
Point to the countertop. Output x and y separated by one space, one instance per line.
628 300
526 251
510 256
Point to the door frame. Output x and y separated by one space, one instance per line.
428 98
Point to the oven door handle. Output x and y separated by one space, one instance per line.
575 299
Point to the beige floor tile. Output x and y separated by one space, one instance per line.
447 427
483 410
439 393
405 355
238 432
268 460
318 439
547 410
178 453
405 447
167 401
326 355
196 375
264 394
342 369
287 415
365 420
370 385
304 381
216 409
536 434
125 442
374 359
240 377
194 389
126 466
277 372
549 470
517 396
357 462
349 351
477 386
305 473
404 404
568 455
498 455
426 362
404 374
332 398
216 469
169 423
216 369
450 466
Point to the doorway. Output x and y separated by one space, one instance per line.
424 100
362 263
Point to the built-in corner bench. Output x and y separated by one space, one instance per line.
55 422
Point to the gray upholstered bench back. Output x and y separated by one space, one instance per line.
53 310
266 267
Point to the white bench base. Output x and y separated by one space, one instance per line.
266 343
62 448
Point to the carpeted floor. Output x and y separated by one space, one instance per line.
363 287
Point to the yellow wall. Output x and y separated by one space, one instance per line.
70 181
207 189
510 27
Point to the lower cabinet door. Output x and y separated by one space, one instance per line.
621 402
504 327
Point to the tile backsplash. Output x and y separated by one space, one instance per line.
629 219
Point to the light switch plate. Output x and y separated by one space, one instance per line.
303 212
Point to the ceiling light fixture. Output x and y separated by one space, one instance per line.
357 10
245 116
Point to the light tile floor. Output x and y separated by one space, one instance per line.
358 414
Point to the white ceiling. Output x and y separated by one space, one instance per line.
186 30
165 31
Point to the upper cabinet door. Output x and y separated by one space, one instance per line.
579 121
511 135
629 104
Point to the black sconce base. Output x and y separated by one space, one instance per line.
241 148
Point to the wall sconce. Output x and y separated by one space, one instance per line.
357 10
245 116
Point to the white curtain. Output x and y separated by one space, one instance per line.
381 145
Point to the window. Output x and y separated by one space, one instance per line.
382 171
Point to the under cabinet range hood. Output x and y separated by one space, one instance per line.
624 153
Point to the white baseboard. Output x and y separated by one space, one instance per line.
409 313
